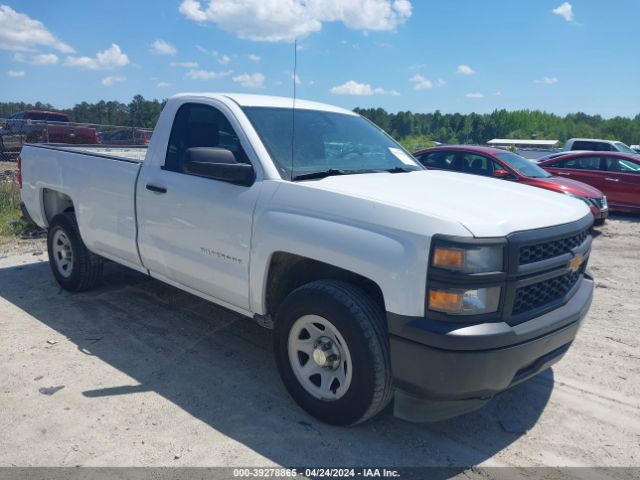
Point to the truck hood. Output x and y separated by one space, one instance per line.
486 207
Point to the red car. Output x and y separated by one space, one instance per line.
615 174
40 126
494 162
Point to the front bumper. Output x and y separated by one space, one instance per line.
462 369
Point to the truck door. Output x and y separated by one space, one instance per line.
196 231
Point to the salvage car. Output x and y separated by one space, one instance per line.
615 174
498 163
380 279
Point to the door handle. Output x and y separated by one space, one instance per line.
608 179
563 173
155 188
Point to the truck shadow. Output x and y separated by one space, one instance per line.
218 367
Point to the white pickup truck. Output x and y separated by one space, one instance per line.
379 278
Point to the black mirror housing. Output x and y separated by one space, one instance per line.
218 164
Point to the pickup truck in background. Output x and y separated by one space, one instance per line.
39 126
597 145
379 278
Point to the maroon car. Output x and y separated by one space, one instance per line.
41 126
494 162
615 174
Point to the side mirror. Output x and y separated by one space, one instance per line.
501 174
218 164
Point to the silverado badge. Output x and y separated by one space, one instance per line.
575 262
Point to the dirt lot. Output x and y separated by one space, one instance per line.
138 373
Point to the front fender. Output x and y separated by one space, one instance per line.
396 262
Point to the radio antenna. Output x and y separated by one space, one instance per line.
293 109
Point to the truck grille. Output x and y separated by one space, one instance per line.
539 294
554 248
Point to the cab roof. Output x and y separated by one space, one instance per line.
249 100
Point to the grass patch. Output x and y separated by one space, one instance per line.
11 222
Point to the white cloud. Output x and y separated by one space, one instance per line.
42 59
417 66
296 79
255 80
111 80
360 89
184 64
16 73
565 11
474 95
163 85
19 32
222 59
286 20
45 59
162 47
206 75
440 83
465 70
547 80
111 58
421 83
254 58
498 93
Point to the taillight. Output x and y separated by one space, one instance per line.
19 172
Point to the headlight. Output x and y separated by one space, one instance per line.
469 259
465 302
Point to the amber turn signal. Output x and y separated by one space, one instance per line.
445 301
449 258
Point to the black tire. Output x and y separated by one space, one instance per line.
86 270
599 222
361 322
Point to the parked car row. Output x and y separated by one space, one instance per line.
498 163
40 126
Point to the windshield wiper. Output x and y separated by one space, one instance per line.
332 172
400 170
321 174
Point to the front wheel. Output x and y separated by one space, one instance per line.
332 352
74 267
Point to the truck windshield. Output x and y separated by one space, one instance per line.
622 147
523 166
326 143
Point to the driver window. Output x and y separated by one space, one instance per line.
197 125
477 165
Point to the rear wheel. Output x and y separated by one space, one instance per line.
332 352
74 267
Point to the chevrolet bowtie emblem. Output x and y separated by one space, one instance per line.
575 262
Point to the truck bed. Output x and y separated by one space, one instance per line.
127 153
102 182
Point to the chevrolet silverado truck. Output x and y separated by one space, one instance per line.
380 279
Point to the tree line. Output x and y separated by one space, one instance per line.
413 128
524 124
138 113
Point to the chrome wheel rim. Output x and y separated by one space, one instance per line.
62 253
320 358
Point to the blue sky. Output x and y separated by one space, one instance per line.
419 55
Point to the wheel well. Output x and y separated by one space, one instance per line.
288 272
54 203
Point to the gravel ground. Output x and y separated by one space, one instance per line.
137 373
